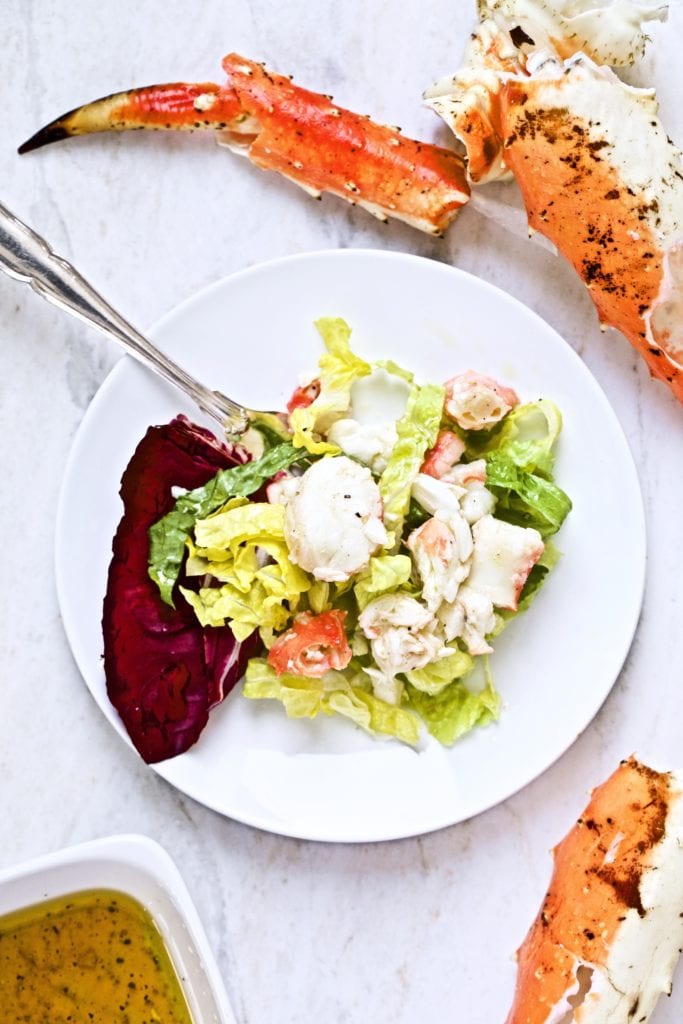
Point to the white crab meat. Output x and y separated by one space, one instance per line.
479 619
370 443
436 495
468 473
503 557
333 520
477 500
437 557
452 618
477 402
282 488
443 500
402 635
477 503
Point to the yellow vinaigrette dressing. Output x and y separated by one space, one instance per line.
92 957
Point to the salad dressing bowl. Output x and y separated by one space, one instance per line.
139 868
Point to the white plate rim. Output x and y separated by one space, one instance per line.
631 617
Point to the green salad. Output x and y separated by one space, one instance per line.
377 560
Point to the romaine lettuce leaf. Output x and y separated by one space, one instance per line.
339 368
168 535
528 436
435 677
384 573
389 366
333 694
525 499
455 710
417 432
230 546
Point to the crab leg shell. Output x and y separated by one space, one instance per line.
602 181
325 148
606 940
301 134
175 106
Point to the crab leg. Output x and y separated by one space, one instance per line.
606 940
597 172
301 134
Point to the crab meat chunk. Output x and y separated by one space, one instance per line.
333 519
402 635
437 495
441 459
442 500
437 556
503 557
477 500
370 443
468 473
469 616
479 619
477 402
282 487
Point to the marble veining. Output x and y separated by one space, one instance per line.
411 931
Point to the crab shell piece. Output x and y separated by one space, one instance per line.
606 940
597 172
303 135
602 181
608 31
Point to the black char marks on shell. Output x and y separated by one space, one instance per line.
164 672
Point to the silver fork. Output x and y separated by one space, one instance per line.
27 257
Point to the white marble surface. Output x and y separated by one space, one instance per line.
417 930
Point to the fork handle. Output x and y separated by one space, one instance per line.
27 257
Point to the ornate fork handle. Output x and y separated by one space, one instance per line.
27 257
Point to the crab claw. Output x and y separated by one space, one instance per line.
303 135
179 105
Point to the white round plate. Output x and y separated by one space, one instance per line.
251 336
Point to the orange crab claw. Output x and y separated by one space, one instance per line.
607 937
176 106
301 134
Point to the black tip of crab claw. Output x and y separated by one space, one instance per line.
54 132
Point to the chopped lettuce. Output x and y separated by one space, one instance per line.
528 435
168 535
434 678
455 710
525 499
339 368
519 457
417 432
389 366
385 573
230 546
333 694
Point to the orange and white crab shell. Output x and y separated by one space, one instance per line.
607 938
598 175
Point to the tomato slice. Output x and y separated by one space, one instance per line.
303 396
312 646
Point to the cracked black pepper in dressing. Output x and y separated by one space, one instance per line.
92 957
